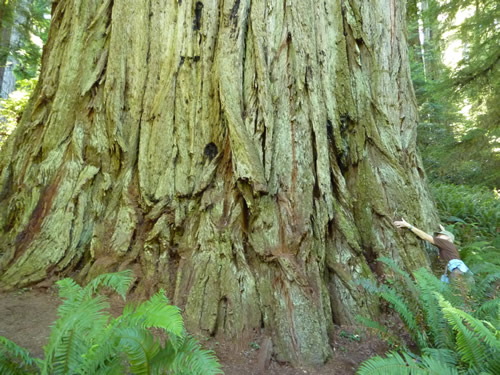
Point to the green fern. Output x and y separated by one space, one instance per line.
118 281
408 282
100 357
488 285
442 355
87 317
461 318
400 304
140 347
456 338
478 343
490 310
188 359
85 339
379 329
405 286
192 359
156 313
486 267
69 289
404 364
435 323
15 360
67 356
432 365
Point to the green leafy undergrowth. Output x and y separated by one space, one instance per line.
86 339
471 213
453 326
11 109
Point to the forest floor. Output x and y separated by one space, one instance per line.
26 317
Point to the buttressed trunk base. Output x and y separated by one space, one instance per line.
248 156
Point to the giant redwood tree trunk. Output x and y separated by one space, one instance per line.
248 156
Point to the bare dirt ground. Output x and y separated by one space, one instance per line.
26 316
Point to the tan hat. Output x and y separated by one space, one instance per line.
446 233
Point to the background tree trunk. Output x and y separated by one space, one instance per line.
10 19
248 156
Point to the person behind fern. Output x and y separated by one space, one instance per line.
448 252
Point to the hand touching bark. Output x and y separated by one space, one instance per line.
402 224
420 233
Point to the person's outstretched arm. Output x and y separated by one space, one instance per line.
418 232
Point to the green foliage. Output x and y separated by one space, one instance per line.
478 342
454 326
403 363
14 359
459 129
31 21
12 108
350 336
119 282
85 339
479 64
186 358
383 332
473 213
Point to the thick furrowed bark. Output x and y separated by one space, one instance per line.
247 156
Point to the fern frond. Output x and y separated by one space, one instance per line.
15 359
400 305
115 366
70 305
490 310
189 358
68 355
443 355
197 360
487 283
492 364
393 363
11 367
103 353
368 285
432 365
118 281
441 336
157 313
486 267
404 364
174 340
378 328
392 265
405 284
469 341
408 281
68 289
163 361
84 316
430 283
140 347
485 330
